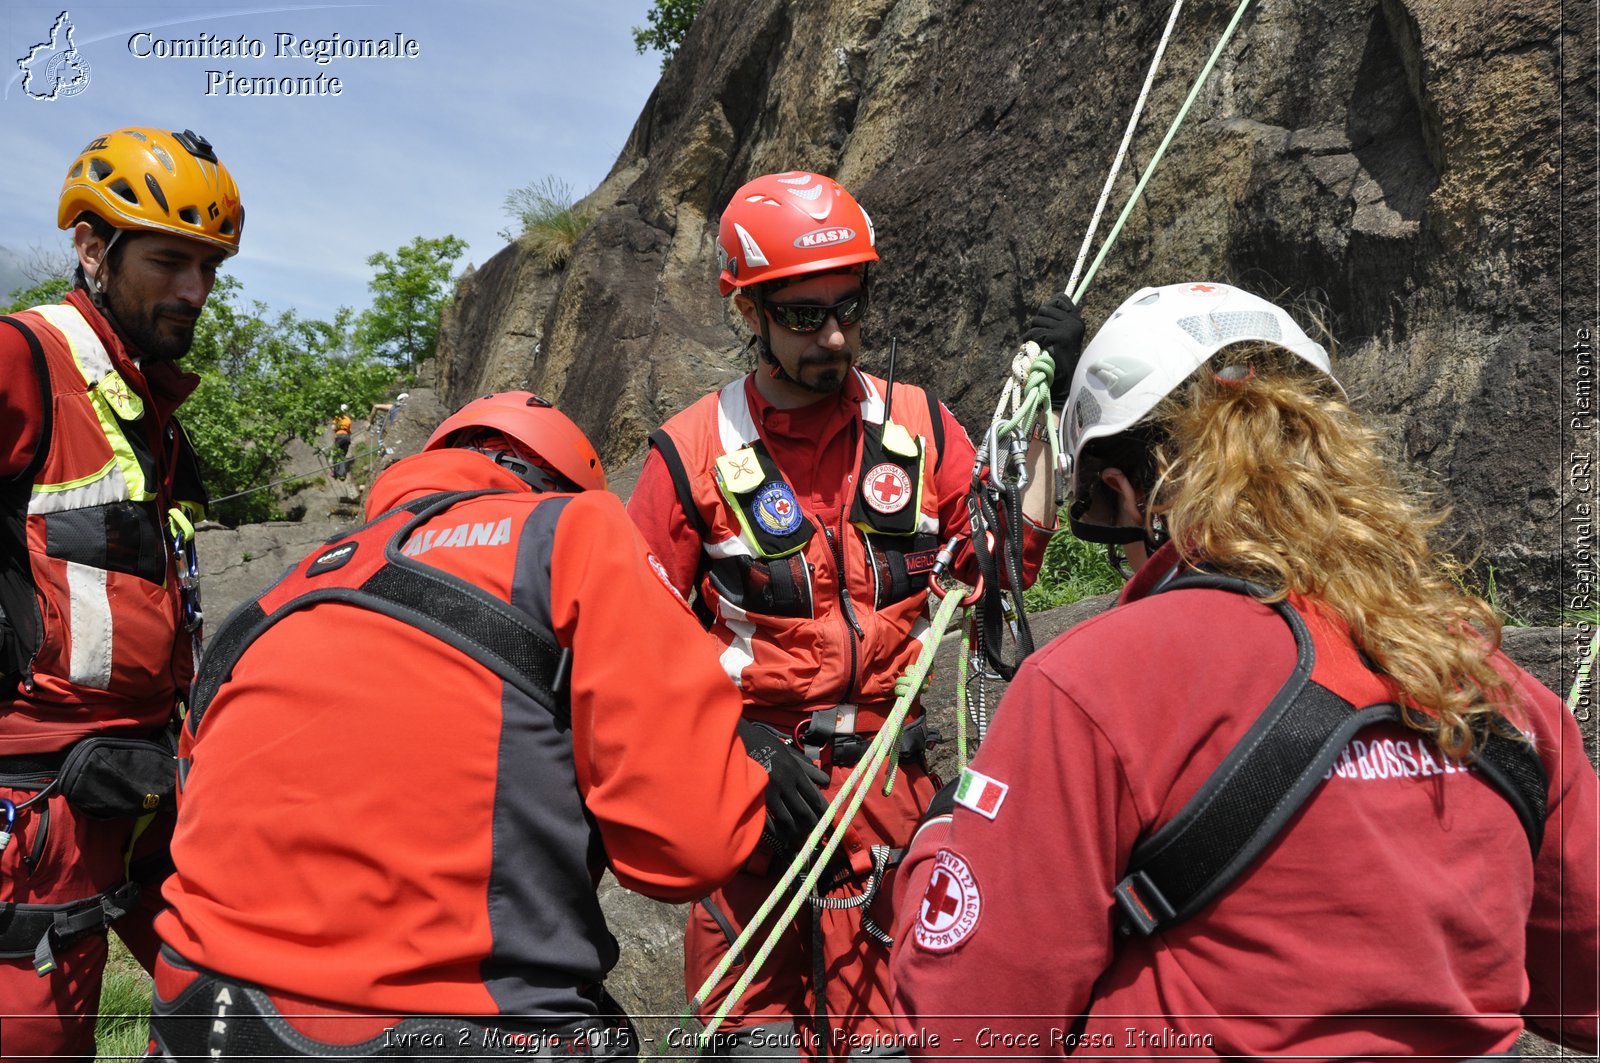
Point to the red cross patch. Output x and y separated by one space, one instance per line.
950 905
888 488
1202 288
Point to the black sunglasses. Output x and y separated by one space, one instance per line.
809 317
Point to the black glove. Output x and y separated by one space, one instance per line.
794 800
1057 327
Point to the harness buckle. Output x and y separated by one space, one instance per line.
1143 903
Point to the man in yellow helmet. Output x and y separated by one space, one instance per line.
98 494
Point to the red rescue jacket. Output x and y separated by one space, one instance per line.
372 818
92 628
768 527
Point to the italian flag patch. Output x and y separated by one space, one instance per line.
980 793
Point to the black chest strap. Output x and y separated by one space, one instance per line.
495 633
1269 774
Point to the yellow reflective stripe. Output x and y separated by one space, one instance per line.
121 450
104 470
94 362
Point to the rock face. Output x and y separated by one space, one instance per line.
1395 166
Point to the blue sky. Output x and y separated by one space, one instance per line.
501 93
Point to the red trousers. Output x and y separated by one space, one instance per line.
53 1017
856 964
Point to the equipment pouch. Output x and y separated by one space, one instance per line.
120 778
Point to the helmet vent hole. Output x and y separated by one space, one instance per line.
136 135
190 215
77 169
226 227
100 169
155 190
122 188
161 156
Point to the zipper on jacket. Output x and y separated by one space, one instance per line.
847 610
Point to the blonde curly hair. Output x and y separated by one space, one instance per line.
1262 471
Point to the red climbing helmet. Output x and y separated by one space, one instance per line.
527 419
786 224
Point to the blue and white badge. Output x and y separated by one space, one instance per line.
776 509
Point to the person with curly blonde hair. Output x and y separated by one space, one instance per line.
1427 888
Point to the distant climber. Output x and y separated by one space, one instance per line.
342 423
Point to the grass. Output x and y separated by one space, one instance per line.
123 1029
1072 569
546 214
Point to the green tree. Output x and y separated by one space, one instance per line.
409 289
669 24
266 381
46 291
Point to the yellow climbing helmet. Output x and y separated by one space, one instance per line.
141 178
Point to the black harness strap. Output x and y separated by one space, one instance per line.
1268 775
936 420
680 481
492 631
21 625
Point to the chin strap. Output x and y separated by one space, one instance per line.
97 292
1120 535
763 341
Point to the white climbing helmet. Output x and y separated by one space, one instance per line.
1153 342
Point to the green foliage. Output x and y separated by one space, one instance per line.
1072 569
122 1029
669 23
409 292
47 291
264 382
544 212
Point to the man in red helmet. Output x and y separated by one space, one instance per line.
99 493
406 765
806 514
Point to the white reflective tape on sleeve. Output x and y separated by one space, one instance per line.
89 627
733 546
739 654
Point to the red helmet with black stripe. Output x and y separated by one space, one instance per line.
789 224
544 431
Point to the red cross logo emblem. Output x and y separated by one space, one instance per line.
950 905
782 507
942 903
1202 288
888 488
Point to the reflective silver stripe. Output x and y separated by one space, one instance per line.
89 629
872 405
733 546
111 487
735 426
739 654
87 350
